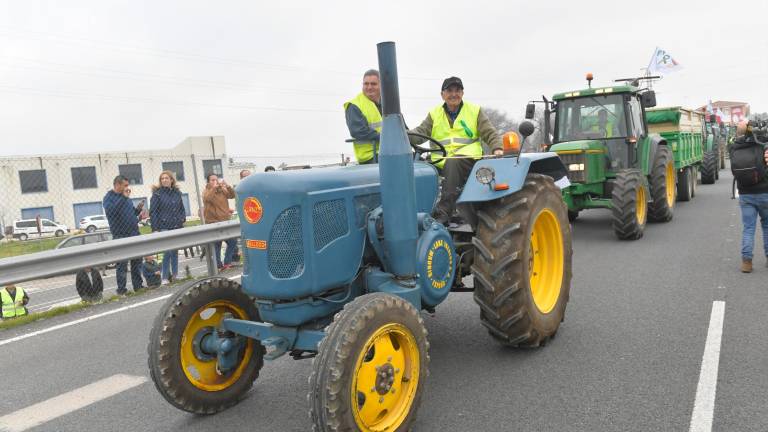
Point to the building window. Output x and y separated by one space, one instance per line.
33 181
132 172
177 168
84 178
213 166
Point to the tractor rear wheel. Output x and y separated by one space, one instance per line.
721 154
522 268
630 205
709 168
371 367
186 375
684 192
572 215
662 185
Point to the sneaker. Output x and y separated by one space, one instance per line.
226 267
746 265
165 282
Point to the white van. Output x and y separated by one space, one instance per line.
26 228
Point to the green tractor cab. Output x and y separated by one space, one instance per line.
613 161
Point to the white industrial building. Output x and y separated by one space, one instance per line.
66 188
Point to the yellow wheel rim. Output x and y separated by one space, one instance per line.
385 379
545 261
640 205
202 372
670 184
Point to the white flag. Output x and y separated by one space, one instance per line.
662 63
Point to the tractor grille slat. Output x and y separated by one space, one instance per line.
286 246
329 220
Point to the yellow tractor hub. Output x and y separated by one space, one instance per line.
641 204
199 368
385 380
546 262
670 179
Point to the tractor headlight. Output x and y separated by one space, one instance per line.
576 167
485 175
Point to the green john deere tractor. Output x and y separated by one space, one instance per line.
613 161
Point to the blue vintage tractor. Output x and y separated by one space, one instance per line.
339 262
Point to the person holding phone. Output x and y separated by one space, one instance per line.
216 209
123 222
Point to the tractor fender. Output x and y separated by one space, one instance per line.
509 175
656 141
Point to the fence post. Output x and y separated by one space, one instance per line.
209 249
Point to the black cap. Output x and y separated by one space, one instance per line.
452 81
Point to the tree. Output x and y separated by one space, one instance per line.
500 120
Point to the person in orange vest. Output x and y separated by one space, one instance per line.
460 127
14 301
363 115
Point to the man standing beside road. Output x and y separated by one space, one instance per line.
753 199
459 126
14 301
363 115
216 198
123 222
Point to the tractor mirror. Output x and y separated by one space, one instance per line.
526 129
530 109
649 99
511 142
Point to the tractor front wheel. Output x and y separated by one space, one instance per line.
662 185
522 268
630 209
184 373
371 367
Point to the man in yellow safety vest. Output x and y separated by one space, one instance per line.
460 127
603 126
363 115
14 301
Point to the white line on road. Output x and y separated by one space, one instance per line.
90 318
704 406
66 403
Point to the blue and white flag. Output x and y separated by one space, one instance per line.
662 63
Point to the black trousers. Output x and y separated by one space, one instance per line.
455 173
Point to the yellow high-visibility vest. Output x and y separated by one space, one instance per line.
608 129
13 307
460 139
364 149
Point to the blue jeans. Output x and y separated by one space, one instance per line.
121 273
751 206
170 264
231 243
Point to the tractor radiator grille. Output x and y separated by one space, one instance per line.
286 248
579 176
329 219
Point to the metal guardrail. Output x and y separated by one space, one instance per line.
69 260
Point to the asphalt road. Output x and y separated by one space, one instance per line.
627 358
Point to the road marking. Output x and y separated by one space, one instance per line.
90 318
66 403
704 406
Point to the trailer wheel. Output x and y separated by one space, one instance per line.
186 375
630 209
684 192
522 268
694 180
662 185
708 168
371 367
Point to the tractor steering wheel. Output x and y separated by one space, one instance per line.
421 150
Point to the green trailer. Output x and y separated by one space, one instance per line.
684 131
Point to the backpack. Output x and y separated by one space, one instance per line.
747 165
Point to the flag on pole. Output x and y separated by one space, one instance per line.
720 115
710 110
662 63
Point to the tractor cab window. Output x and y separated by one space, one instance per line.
591 117
636 117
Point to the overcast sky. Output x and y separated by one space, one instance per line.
271 77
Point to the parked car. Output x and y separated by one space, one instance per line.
92 223
89 238
24 228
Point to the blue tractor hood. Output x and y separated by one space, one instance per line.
303 231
